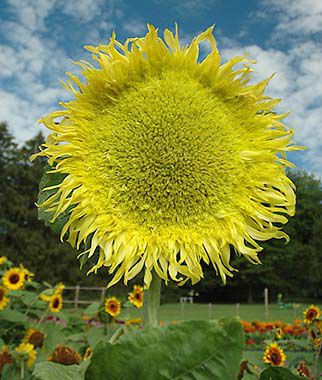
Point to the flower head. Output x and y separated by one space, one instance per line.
136 296
112 306
88 353
3 260
34 337
3 299
28 275
311 313
274 355
65 355
303 369
167 162
14 279
279 333
59 288
26 352
5 357
55 303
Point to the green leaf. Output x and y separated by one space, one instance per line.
95 335
278 373
55 371
13 316
93 309
192 350
51 179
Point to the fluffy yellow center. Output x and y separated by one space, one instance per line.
165 151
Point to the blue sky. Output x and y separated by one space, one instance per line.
40 38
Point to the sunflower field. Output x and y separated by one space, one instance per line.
42 339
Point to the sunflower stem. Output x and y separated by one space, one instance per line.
152 302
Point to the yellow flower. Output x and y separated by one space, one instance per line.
311 313
113 306
3 259
55 303
274 355
167 162
3 299
28 275
318 325
279 333
65 355
134 321
59 288
44 297
13 279
34 337
27 353
88 353
136 297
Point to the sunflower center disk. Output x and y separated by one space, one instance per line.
166 152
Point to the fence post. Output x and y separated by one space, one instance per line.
266 302
209 310
238 309
103 293
76 297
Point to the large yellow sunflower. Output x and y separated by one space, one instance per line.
14 279
166 161
3 299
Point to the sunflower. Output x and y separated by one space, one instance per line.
274 355
166 162
112 306
55 303
311 313
3 260
65 355
5 357
303 369
13 279
136 296
3 299
279 333
88 353
34 337
27 353
59 288
28 275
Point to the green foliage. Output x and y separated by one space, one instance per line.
47 180
277 373
54 371
198 350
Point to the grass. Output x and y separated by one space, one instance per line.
177 312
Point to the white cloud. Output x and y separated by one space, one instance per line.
83 10
294 16
297 82
135 27
32 13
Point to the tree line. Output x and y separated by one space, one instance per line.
293 269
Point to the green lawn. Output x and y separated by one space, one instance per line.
176 312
